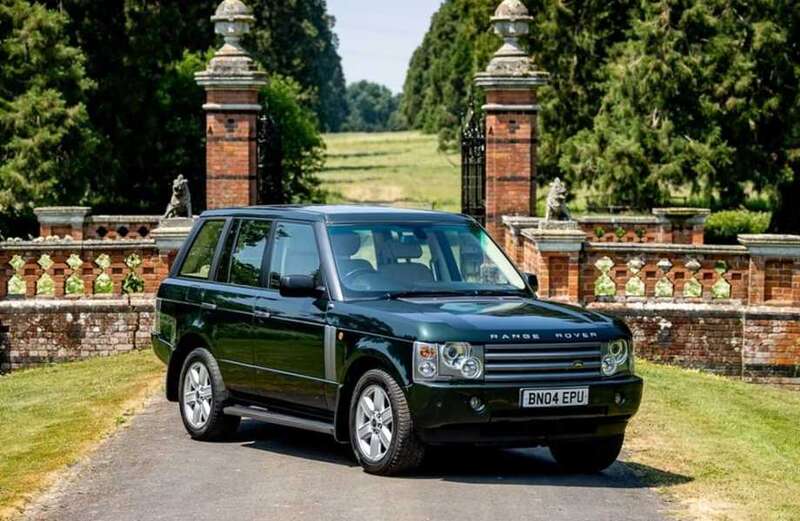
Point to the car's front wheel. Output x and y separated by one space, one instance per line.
381 428
202 398
587 456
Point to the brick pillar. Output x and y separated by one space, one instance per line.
774 275
232 84
511 116
63 221
554 256
681 225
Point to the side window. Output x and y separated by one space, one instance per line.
248 255
201 255
294 253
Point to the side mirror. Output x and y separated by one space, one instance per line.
533 282
300 286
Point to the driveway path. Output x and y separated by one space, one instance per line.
152 471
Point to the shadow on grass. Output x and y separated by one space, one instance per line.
371 154
366 168
471 465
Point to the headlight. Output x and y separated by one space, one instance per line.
450 361
617 357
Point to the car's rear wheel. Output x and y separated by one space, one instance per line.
587 456
201 398
381 429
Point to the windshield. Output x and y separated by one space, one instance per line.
395 259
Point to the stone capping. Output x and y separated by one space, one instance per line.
556 240
61 214
496 82
232 107
729 310
617 219
93 244
497 107
517 223
123 219
768 245
690 215
93 305
172 233
659 247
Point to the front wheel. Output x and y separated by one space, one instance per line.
587 456
202 397
381 429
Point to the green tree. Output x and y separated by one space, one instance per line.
371 107
46 140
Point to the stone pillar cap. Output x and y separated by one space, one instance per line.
769 245
511 10
556 240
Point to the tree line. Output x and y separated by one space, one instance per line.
648 97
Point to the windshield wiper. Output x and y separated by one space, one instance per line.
394 295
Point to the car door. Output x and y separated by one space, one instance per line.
233 297
289 352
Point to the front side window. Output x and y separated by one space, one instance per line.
248 254
198 260
294 253
425 258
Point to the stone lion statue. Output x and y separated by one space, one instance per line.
181 203
557 202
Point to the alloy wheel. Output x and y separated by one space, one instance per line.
197 395
374 423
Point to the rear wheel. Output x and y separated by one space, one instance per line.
587 456
201 398
381 429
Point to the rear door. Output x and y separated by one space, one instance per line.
291 331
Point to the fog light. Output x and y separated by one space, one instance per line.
427 369
476 404
619 399
608 365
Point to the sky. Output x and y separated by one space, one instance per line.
378 37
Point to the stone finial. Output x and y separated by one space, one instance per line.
232 66
512 22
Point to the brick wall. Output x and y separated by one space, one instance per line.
35 332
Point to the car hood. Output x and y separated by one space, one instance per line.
476 319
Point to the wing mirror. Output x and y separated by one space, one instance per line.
300 286
533 282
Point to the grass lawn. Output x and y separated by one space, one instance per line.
724 449
403 168
50 417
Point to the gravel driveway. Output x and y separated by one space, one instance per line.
152 470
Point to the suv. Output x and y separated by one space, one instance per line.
391 330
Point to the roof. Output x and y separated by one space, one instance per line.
339 213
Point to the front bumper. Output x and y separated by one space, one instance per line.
442 412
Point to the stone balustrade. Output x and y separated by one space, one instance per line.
79 224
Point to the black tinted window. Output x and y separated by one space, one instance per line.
251 242
201 254
294 253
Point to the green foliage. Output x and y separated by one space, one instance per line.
372 108
45 137
303 147
724 227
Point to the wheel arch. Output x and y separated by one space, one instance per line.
188 343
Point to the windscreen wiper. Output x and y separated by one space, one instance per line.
394 295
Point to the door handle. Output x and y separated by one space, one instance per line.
208 305
262 314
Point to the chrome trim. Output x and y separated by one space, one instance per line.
330 353
277 371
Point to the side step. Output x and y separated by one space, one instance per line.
280 419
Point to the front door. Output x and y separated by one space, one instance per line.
290 350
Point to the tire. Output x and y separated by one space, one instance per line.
587 456
404 451
208 397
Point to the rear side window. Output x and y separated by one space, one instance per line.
248 255
201 255
294 253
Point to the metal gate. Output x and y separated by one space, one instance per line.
269 153
473 166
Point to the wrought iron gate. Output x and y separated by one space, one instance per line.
473 166
269 152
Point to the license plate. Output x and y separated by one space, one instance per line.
554 397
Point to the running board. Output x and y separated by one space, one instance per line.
280 419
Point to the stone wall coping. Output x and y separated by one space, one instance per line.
61 214
516 223
123 218
496 82
657 247
252 80
140 303
62 244
556 240
769 245
681 211
687 308
617 219
508 107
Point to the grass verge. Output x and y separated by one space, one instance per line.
51 416
726 450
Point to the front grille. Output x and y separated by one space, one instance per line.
542 362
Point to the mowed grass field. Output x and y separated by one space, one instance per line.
398 168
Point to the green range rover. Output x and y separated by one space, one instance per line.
391 330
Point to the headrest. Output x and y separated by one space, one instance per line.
408 248
346 244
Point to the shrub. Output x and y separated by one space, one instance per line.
723 227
